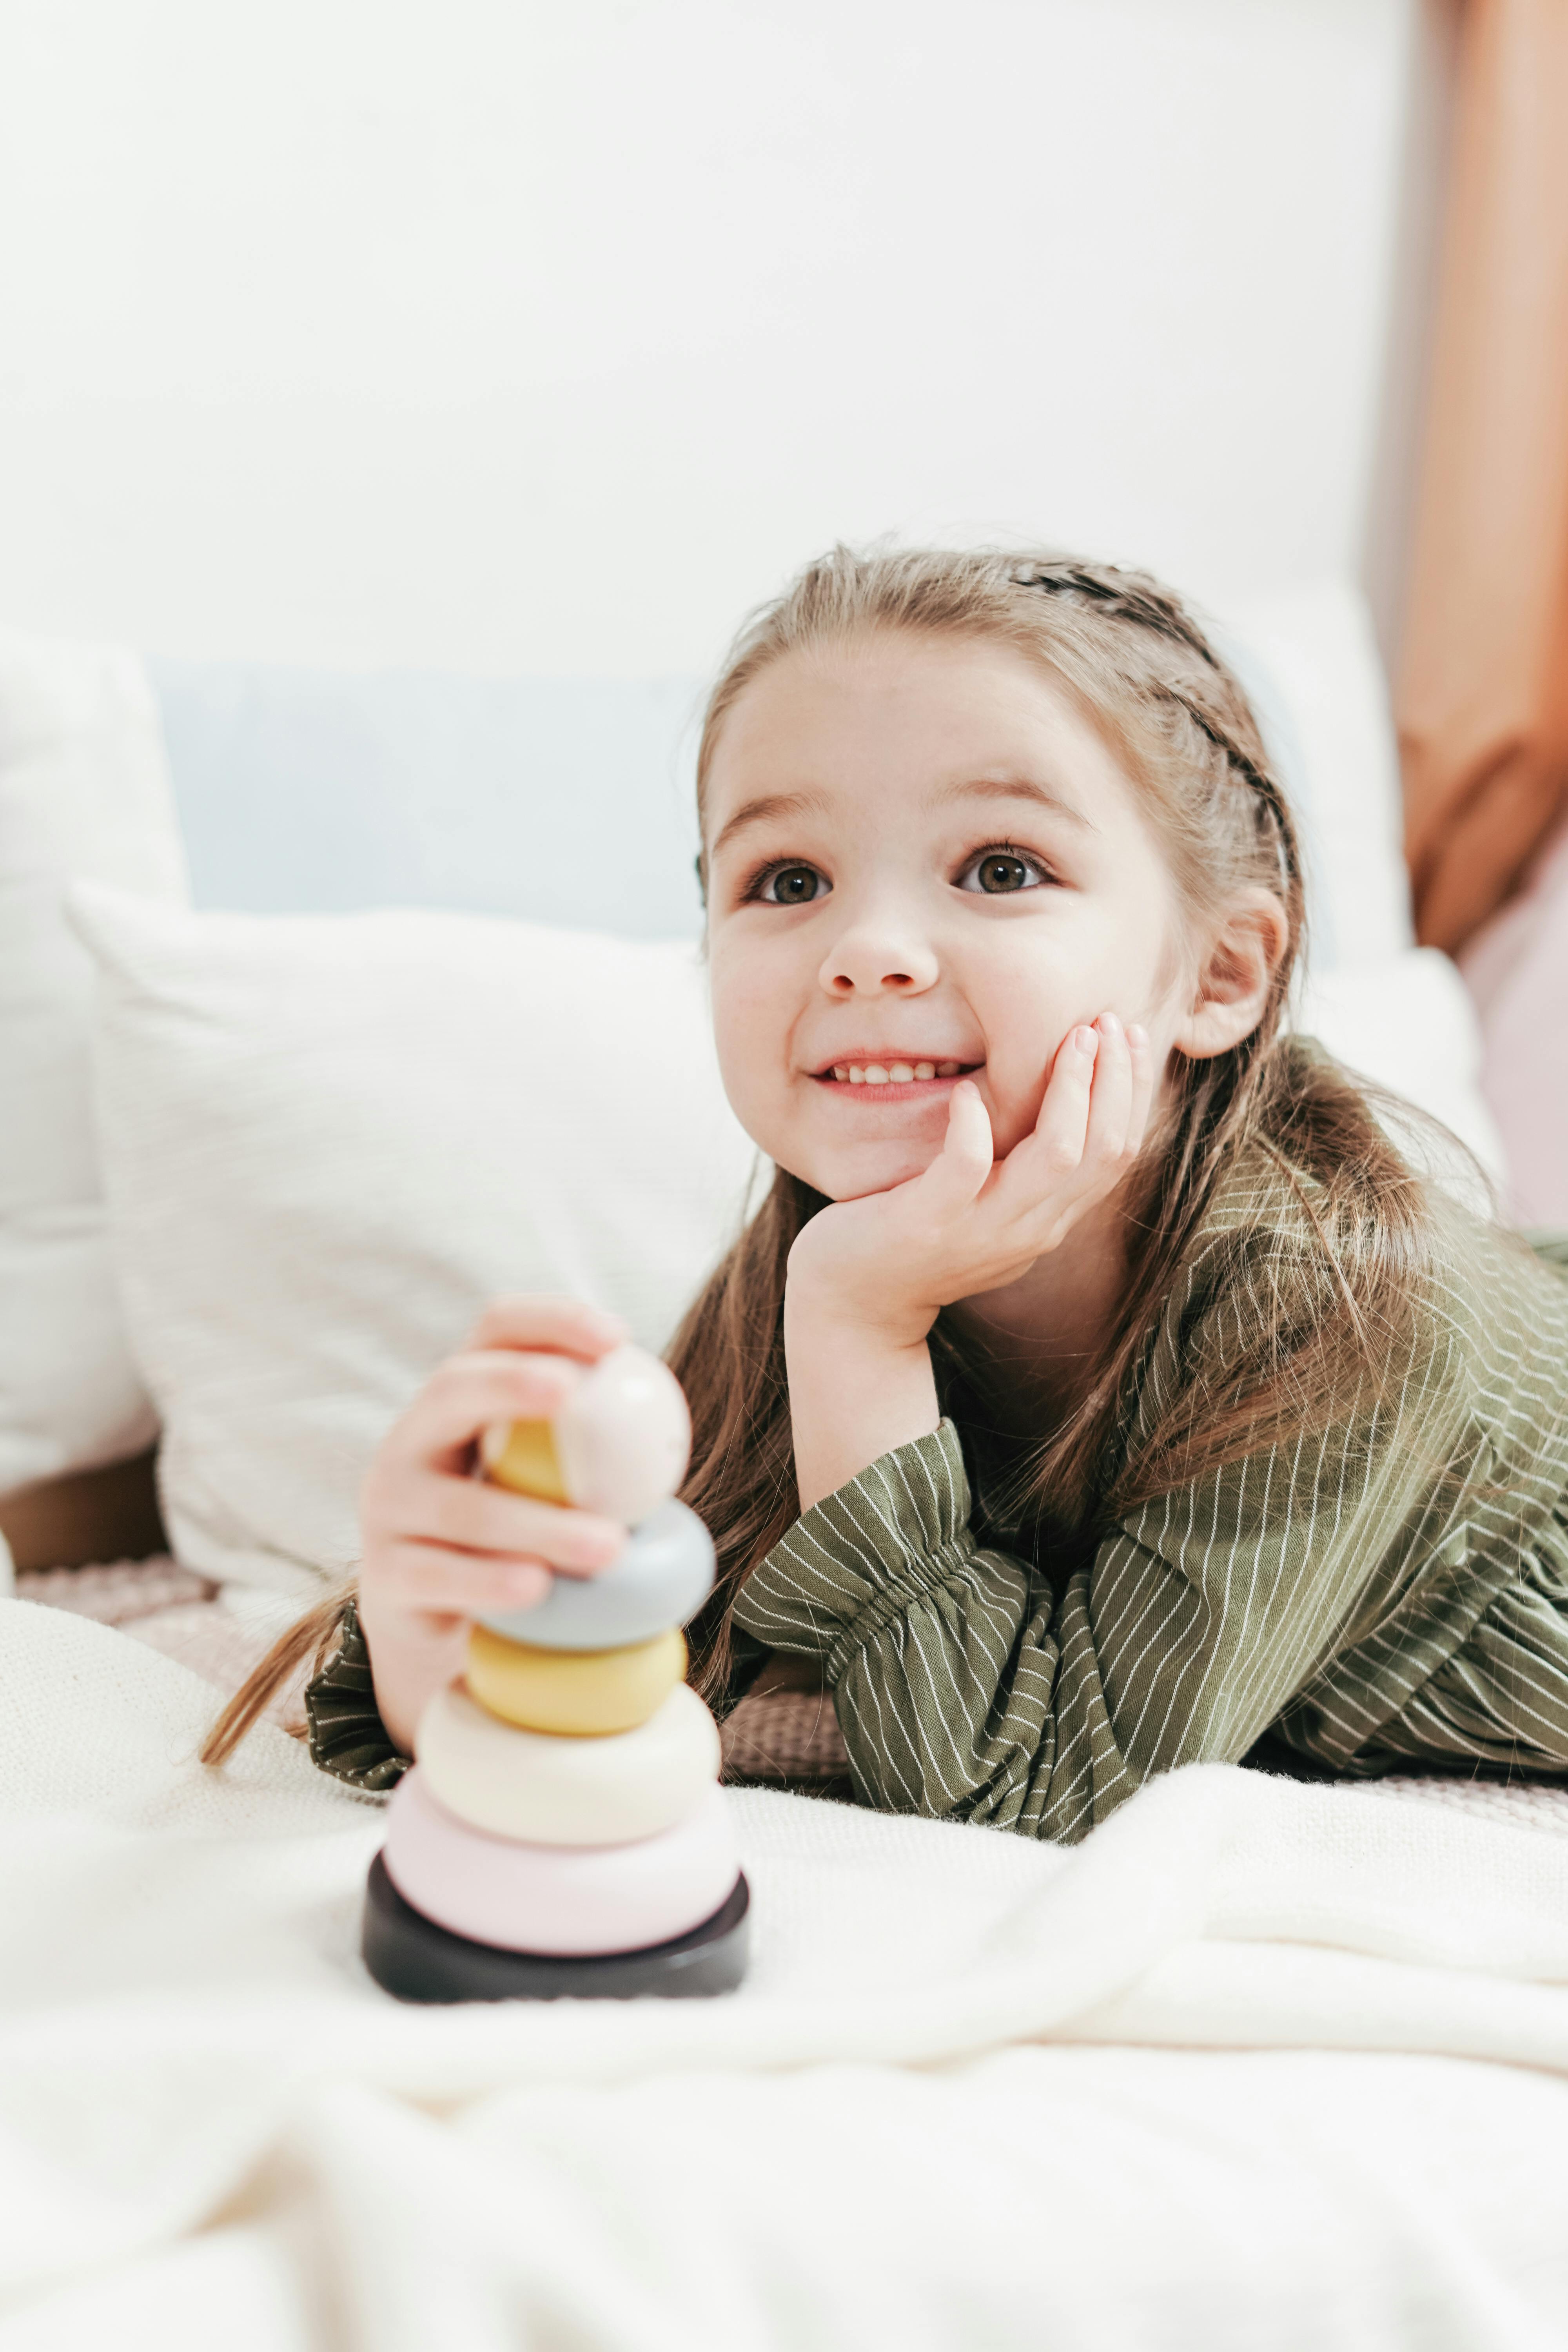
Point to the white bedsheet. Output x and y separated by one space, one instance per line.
927 2121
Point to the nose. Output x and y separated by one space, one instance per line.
876 952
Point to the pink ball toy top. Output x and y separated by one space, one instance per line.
619 1445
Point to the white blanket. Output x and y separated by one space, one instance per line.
923 2122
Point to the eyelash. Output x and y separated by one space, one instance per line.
764 874
756 886
1008 849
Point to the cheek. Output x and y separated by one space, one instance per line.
1040 991
750 1025
1016 1090
1027 994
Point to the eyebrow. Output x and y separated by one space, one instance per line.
1016 788
765 806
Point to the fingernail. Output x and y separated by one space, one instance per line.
527 1584
1109 1024
1085 1040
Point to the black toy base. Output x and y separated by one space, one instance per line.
414 1960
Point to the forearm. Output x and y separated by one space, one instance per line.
941 1655
855 1394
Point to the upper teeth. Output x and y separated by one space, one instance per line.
892 1074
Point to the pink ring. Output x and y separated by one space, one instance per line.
572 1900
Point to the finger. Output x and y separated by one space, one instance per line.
468 1513
442 1581
958 1173
1045 1162
1110 1103
568 1326
1140 1053
467 1391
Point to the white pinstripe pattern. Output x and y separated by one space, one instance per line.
1393 1588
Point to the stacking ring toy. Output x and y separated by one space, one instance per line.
618 1445
563 1830
524 1784
583 1694
552 1898
660 1578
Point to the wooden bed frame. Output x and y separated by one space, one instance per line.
89 1514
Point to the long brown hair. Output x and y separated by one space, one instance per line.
1136 662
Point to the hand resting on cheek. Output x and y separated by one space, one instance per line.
869 1276
889 1262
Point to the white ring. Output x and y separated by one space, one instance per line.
555 1790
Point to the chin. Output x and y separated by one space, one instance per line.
852 1178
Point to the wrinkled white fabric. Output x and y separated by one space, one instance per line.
884 2138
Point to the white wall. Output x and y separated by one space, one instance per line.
544 334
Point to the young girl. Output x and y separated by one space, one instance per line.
1098 1389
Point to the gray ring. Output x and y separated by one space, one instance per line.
660 1580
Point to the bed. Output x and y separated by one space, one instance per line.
1264 2063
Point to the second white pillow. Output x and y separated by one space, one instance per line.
328 1141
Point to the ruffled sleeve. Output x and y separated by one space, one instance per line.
348 1737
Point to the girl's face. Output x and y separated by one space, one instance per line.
923 865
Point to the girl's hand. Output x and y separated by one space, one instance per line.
887 1264
440 1546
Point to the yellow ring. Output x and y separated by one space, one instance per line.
524 1456
581 1693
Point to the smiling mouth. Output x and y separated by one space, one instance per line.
889 1074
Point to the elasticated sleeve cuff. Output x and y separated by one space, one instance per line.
348 1737
897 1531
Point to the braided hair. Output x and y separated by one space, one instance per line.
1139 601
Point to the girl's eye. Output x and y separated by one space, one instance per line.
793 885
999 871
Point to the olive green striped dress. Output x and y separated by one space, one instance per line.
1392 1590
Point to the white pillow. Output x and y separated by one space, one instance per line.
1408 1024
1307 657
328 1141
84 789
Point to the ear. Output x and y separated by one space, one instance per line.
1233 980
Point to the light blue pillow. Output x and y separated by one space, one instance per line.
563 801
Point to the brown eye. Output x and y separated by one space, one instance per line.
999 872
794 886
